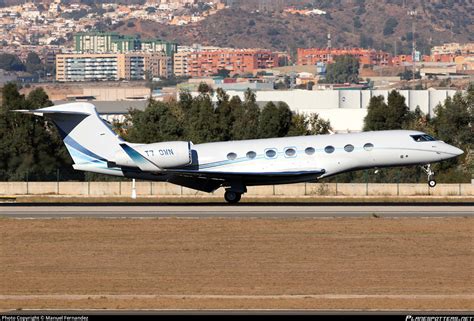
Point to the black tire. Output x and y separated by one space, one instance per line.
232 197
431 183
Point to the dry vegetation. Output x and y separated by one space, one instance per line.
405 263
438 22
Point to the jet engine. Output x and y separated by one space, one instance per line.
154 157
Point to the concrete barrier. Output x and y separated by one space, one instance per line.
102 189
124 188
353 189
41 188
13 188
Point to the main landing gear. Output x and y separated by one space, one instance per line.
427 169
234 192
232 197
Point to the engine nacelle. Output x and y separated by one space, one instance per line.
159 155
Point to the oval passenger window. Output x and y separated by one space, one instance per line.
368 146
329 149
349 148
231 156
290 152
271 153
251 155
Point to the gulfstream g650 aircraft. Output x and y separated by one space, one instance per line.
234 165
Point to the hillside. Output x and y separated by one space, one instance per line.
351 23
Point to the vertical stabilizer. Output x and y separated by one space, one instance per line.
89 140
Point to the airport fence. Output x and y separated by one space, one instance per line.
162 189
365 183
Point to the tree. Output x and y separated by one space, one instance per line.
154 124
275 120
417 120
382 116
269 122
11 62
453 124
319 126
397 113
224 73
345 69
225 116
453 120
390 26
408 74
38 98
246 118
33 58
375 119
299 125
357 23
28 144
200 119
366 41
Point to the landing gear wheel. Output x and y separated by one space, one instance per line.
427 169
232 197
431 183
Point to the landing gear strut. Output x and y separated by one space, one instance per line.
427 169
232 197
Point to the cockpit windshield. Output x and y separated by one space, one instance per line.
423 138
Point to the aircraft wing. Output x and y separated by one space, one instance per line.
210 181
226 175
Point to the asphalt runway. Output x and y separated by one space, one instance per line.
241 211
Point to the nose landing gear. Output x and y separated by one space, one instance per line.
427 169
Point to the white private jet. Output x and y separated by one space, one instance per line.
234 165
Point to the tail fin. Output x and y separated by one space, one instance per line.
90 142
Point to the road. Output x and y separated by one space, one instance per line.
206 211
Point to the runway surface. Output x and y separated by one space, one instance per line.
206 211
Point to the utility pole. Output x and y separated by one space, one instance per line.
413 13
329 47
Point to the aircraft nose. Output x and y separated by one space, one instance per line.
457 151
454 150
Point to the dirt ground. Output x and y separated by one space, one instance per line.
300 263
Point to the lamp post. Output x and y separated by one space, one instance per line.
413 14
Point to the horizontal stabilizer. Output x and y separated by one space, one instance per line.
41 112
65 109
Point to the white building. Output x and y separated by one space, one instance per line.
345 109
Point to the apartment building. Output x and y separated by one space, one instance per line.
312 56
181 64
237 61
454 49
111 42
111 67
156 45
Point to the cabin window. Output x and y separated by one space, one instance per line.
309 151
368 146
270 153
251 155
329 149
290 152
349 148
231 156
423 138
